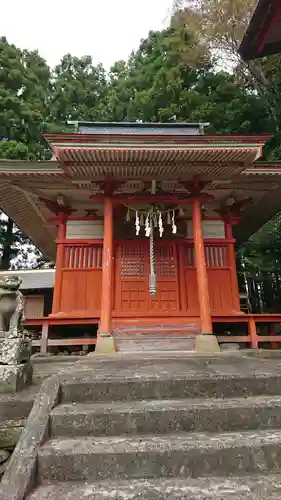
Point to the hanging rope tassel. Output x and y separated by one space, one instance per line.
147 226
152 275
137 224
174 227
160 224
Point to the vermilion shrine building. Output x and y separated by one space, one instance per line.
263 36
141 220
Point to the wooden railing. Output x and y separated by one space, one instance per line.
252 338
252 321
45 341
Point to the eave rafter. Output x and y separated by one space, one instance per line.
23 209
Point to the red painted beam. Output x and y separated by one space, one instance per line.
135 200
65 342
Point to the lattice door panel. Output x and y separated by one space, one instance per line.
165 262
167 296
132 278
132 261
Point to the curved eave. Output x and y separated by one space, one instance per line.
22 209
25 167
149 162
263 35
257 215
263 170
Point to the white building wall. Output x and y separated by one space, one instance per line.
84 230
212 229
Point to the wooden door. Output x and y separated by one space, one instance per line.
131 277
167 286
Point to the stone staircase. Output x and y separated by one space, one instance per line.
165 427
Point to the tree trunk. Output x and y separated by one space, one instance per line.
7 246
263 87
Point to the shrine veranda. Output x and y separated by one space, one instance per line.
142 222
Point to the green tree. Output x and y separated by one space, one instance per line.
24 102
221 25
24 107
171 77
78 91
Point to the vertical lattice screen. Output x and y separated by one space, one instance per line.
165 262
132 261
215 256
83 257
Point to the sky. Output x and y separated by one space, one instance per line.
107 30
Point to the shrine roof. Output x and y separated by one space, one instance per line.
93 140
129 154
263 35
138 128
82 162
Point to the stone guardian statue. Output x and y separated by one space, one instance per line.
15 343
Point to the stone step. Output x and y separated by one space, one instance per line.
153 339
179 455
250 488
121 384
164 416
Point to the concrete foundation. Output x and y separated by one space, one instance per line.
206 344
105 344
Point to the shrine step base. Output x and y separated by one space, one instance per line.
156 341
156 337
234 488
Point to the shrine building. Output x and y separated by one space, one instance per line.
263 35
142 221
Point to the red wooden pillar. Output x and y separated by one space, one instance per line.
107 273
59 263
44 337
253 333
231 261
201 270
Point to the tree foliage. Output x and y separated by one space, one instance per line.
78 90
221 25
24 103
171 77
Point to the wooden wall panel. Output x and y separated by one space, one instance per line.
166 299
192 303
34 306
220 291
81 291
